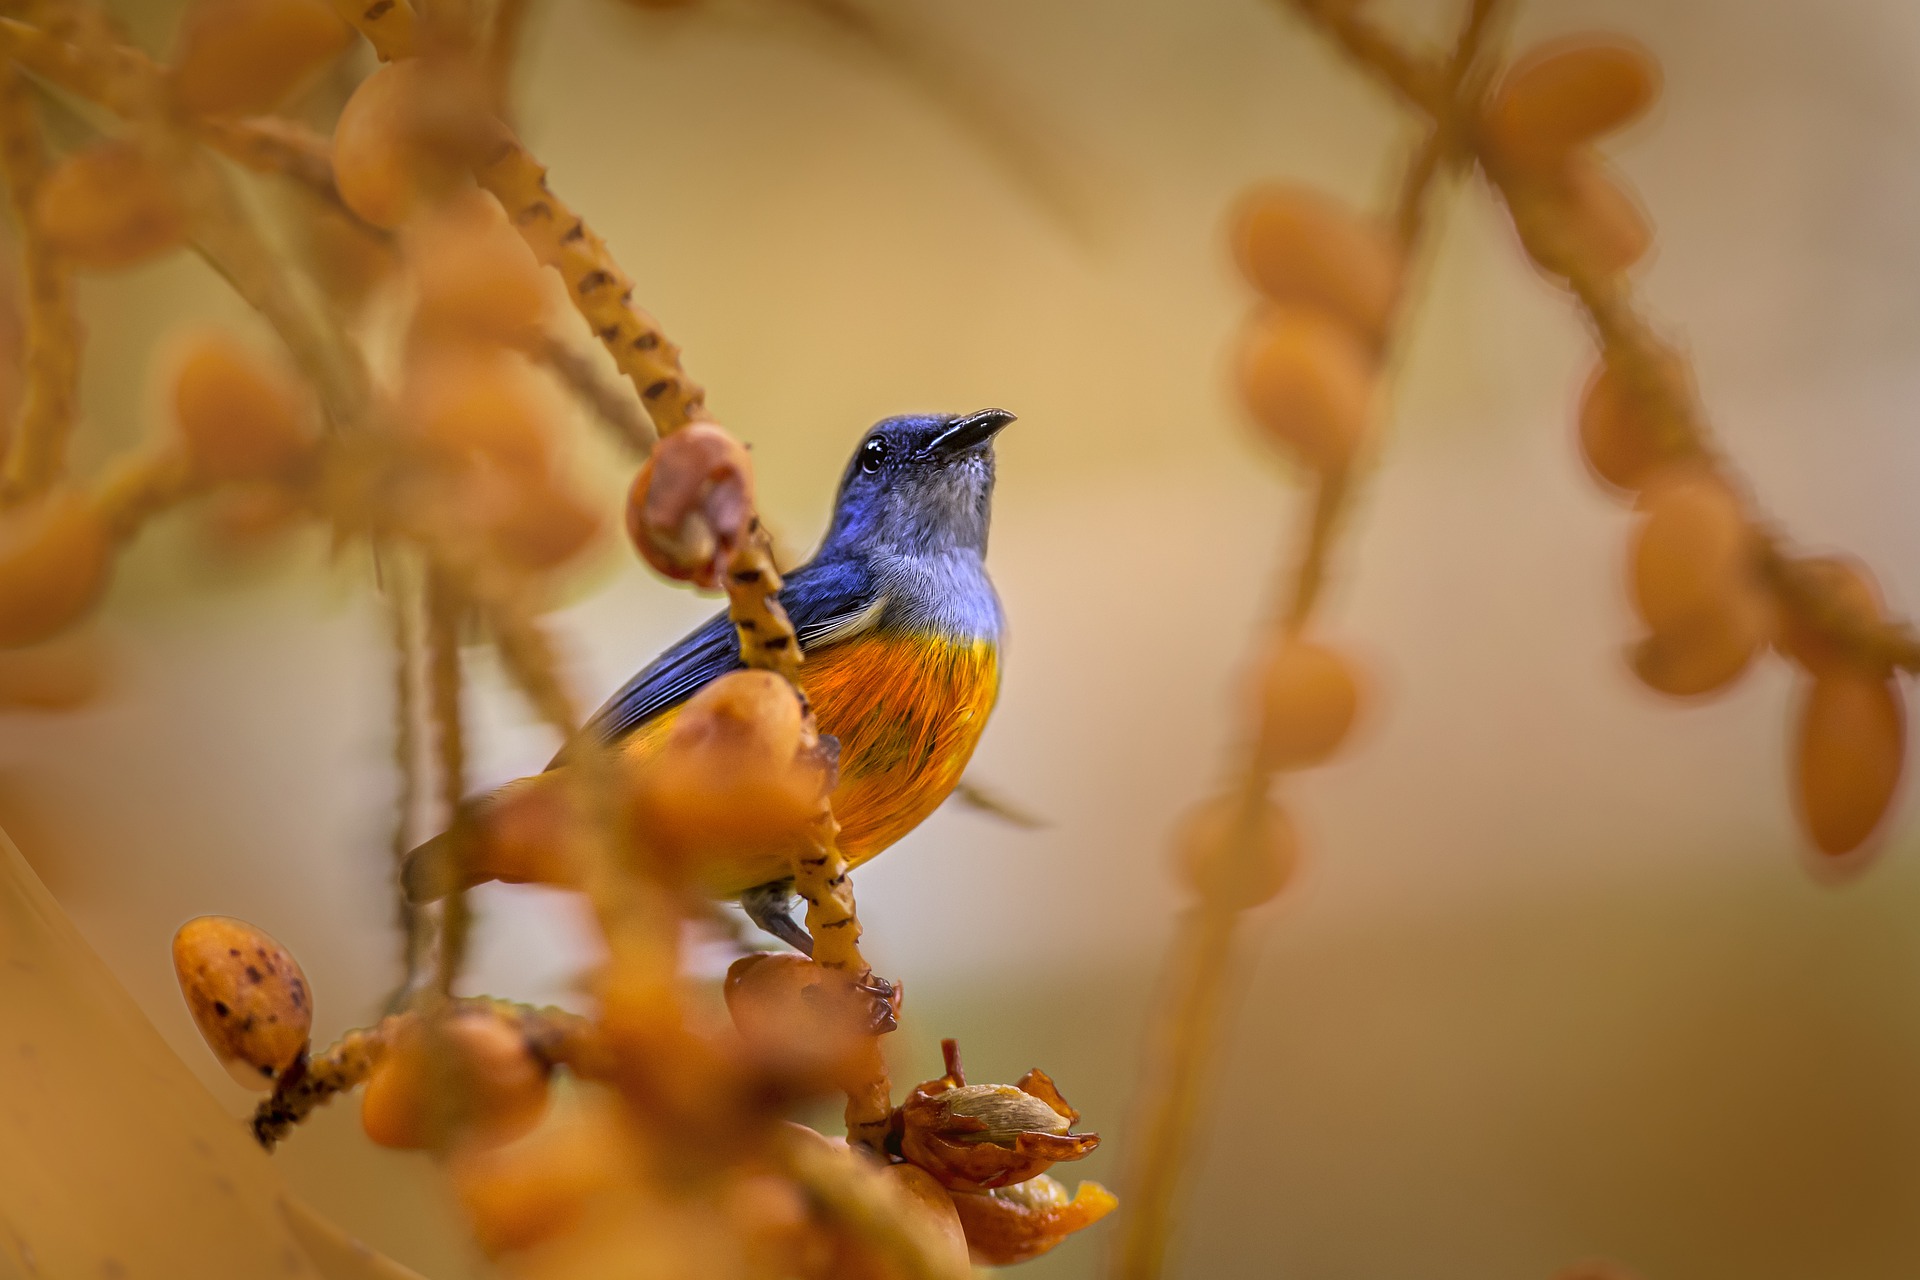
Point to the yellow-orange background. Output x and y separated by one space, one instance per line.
1554 980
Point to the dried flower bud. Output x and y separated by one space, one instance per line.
1563 94
244 57
1850 751
1693 555
247 995
1237 856
403 139
1308 380
976 1137
1581 219
1309 695
495 1088
240 417
739 774
1302 248
108 207
1847 595
477 277
692 504
1624 433
55 557
1021 1222
537 1186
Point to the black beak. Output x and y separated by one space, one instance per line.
970 432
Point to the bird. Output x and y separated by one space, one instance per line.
901 630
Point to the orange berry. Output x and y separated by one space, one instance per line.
1851 747
1624 435
537 1187
63 673
1308 697
1564 93
1709 652
496 1087
931 1206
799 1017
243 57
55 557
1302 248
1693 554
108 207
692 503
1236 856
240 416
477 277
540 525
349 259
1582 219
737 773
489 403
1848 591
1309 380
399 141
247 995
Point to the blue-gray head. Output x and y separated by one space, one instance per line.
918 484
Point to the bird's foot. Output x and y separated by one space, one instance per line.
770 906
883 1003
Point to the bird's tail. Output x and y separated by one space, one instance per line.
430 871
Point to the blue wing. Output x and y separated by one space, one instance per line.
826 602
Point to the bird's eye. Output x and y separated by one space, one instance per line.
873 454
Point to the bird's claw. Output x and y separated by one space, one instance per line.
883 997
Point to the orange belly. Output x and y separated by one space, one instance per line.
908 711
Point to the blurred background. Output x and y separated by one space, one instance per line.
1555 980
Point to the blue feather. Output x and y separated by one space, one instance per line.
820 597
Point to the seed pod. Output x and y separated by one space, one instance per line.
537 1187
55 558
738 773
691 504
1693 554
495 1090
1308 696
240 418
1626 434
1707 654
1562 94
402 138
109 207
1301 248
247 995
478 279
1849 754
1235 868
244 57
464 402
1019 1223
1309 381
1581 219
1849 596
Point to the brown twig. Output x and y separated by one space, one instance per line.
612 403
1623 331
311 1083
443 700
50 400
403 603
1197 985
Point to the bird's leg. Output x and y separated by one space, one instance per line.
770 906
